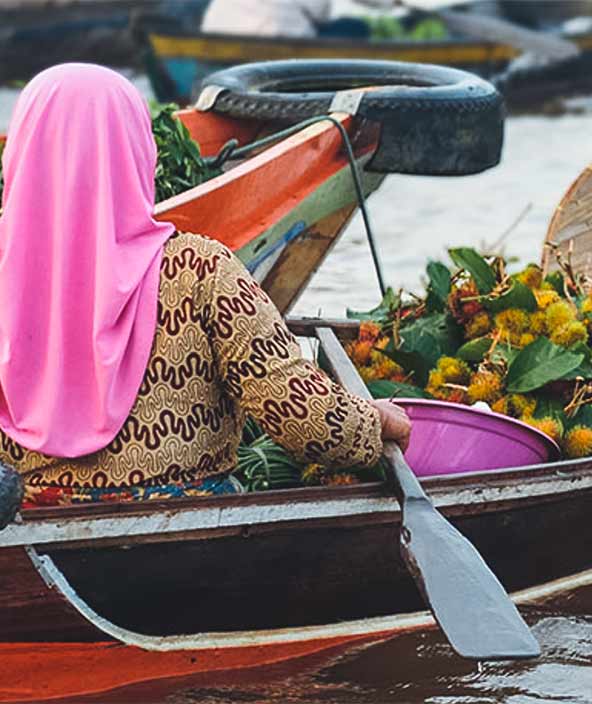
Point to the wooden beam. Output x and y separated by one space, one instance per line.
306 327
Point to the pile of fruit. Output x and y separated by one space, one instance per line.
520 343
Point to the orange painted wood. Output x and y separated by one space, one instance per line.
212 131
238 206
35 672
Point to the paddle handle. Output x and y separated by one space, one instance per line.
400 475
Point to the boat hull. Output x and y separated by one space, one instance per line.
232 583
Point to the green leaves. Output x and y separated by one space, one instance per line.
439 286
468 259
383 312
519 296
180 166
538 364
474 350
423 342
395 389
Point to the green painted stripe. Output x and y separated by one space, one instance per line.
332 195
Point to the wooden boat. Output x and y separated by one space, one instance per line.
281 211
177 59
35 34
99 597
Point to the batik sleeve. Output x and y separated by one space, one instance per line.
262 367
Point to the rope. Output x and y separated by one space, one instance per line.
232 150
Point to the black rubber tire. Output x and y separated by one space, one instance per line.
436 120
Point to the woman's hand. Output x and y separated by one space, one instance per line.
395 422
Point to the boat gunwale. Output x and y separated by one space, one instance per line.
187 33
257 162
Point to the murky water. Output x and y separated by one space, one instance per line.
417 218
409 669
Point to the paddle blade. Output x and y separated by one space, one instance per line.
464 595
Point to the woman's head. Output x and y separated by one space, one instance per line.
80 257
83 119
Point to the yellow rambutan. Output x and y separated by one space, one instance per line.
368 373
538 323
578 442
545 298
521 405
586 306
559 314
385 368
485 386
435 380
312 473
569 334
547 425
359 352
453 370
525 339
515 405
478 326
437 387
369 331
512 320
532 276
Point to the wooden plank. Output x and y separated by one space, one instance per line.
30 611
341 365
306 327
302 257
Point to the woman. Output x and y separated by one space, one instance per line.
130 353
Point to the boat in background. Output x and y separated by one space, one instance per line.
177 59
36 34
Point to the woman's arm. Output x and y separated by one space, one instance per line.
261 366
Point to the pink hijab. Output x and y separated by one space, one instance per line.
80 257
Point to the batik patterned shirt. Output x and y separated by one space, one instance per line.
221 351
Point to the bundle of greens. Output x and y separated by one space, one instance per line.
180 165
263 465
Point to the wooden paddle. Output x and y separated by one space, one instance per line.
467 600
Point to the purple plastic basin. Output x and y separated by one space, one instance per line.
448 438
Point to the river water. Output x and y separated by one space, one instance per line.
417 218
